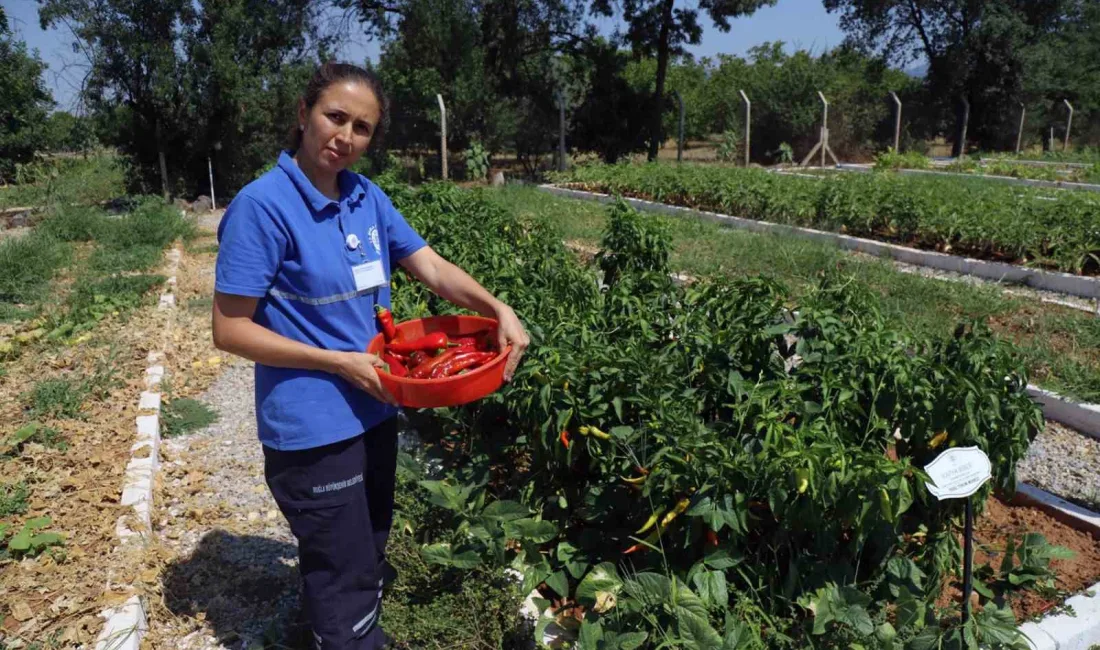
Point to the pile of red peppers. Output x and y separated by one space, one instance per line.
432 356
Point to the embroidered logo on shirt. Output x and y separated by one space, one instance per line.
373 234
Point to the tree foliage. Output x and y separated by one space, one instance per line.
979 50
179 77
24 101
659 28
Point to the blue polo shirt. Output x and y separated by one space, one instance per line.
287 244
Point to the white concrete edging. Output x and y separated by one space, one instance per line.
127 624
1082 417
1079 630
1084 287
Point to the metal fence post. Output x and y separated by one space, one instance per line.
1069 124
680 139
748 125
1020 131
824 128
897 123
966 124
442 134
210 168
561 129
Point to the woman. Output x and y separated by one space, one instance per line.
306 252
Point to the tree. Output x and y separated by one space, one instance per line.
492 60
974 48
659 26
170 79
24 102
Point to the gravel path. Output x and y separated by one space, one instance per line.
1064 462
234 575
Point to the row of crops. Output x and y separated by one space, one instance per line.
1009 167
977 218
710 466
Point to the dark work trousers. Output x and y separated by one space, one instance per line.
338 500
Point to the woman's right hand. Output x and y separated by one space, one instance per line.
359 368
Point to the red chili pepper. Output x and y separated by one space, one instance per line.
712 538
460 362
564 437
385 318
480 341
424 370
396 367
432 341
417 358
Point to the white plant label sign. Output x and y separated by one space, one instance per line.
957 473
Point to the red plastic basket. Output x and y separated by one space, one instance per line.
446 391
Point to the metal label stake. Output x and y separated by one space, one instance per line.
957 474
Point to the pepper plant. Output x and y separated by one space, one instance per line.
712 465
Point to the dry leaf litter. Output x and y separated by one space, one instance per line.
55 599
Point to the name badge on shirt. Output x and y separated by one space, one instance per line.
368 275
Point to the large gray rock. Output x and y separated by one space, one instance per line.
202 204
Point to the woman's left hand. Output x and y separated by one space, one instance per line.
511 332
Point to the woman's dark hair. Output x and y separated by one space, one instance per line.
331 73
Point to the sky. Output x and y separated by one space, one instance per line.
799 23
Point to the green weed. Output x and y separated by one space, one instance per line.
59 181
152 222
33 432
27 264
73 223
182 416
110 260
10 312
57 398
13 498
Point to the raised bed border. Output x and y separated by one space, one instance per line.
1035 163
1076 285
1012 180
127 624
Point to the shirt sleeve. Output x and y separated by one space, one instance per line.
403 239
251 248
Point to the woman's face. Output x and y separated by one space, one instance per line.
340 125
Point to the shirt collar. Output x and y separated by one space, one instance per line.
351 190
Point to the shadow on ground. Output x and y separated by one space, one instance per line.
245 587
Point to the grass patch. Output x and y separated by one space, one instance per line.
92 300
57 398
58 181
182 416
1061 346
27 264
152 222
10 312
73 223
13 498
64 397
205 249
110 260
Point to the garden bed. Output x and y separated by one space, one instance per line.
951 216
1002 521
